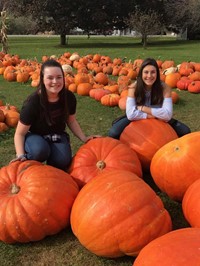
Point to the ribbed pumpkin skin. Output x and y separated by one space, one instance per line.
191 204
117 214
103 154
177 165
178 248
35 201
146 137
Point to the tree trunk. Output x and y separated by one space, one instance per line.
62 39
144 38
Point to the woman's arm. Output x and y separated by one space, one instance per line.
166 111
133 112
76 129
19 137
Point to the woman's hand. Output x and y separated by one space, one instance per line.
20 158
92 137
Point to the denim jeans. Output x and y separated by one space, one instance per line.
119 125
57 154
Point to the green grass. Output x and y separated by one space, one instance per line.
64 248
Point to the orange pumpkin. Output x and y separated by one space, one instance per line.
81 78
172 79
103 154
175 97
84 88
122 103
11 118
101 78
191 204
194 86
146 137
111 99
2 116
117 214
98 93
36 201
3 127
179 247
175 166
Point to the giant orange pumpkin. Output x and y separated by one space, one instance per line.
117 214
176 165
191 204
35 201
146 137
103 154
179 248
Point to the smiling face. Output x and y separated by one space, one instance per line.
53 81
149 75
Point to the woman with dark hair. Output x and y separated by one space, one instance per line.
148 97
40 134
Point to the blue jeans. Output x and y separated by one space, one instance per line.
57 154
119 125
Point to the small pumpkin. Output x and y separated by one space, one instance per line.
84 88
194 86
3 127
117 214
111 99
36 201
12 118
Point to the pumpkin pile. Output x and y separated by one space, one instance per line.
9 116
100 76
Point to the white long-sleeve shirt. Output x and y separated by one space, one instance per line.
163 112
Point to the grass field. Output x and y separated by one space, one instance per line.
64 248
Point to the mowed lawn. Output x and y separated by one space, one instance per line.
64 248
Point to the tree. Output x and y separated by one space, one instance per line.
146 23
180 15
103 16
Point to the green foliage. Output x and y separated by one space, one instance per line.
64 248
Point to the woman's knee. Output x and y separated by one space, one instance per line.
61 155
37 148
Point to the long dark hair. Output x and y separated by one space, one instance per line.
157 88
41 90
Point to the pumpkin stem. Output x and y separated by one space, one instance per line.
101 165
15 189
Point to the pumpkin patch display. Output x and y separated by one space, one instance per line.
191 204
179 248
35 201
102 154
176 165
146 137
117 214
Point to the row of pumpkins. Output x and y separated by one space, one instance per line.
112 211
100 77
